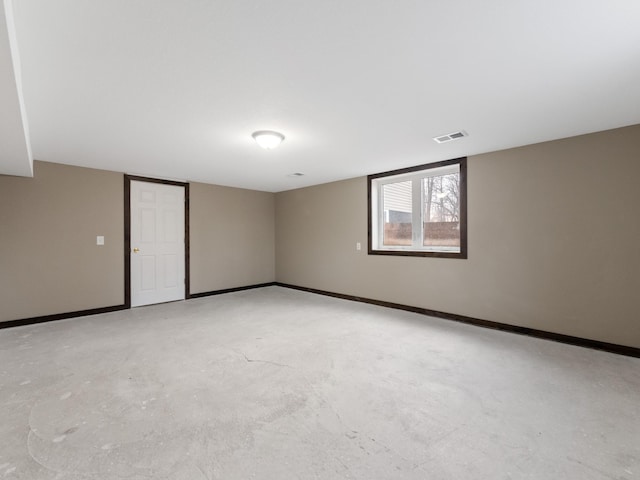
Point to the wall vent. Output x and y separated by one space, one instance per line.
450 136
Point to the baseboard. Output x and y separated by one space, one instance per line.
60 316
230 290
532 332
94 311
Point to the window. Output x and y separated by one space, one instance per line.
419 211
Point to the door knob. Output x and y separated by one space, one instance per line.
136 250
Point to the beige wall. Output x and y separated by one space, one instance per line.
232 237
50 263
554 241
49 260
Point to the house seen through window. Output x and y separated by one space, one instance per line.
419 211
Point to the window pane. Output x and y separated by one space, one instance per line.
419 211
441 212
397 213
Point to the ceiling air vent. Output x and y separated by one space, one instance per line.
450 136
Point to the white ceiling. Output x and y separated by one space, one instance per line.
175 89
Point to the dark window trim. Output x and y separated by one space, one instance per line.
462 161
127 232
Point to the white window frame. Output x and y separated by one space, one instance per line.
416 175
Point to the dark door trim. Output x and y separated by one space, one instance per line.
127 232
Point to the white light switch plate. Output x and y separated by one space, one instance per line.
358 246
99 240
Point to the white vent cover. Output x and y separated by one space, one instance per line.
450 136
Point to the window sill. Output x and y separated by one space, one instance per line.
419 253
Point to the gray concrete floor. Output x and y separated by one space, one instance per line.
280 384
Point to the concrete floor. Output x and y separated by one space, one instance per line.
279 384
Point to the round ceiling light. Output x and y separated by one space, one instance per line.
268 139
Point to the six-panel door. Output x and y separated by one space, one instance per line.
157 243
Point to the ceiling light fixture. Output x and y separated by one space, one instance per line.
268 139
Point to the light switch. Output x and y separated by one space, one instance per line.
99 240
358 246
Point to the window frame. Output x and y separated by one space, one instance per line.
374 184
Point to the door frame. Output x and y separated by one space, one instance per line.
127 232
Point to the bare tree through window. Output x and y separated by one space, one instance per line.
441 215
419 210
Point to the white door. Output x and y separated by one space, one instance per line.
157 243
